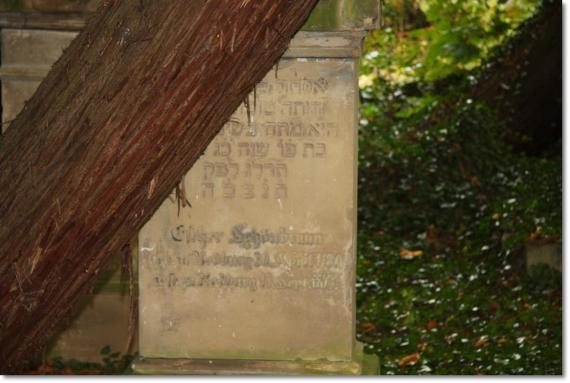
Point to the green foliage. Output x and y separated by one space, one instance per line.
462 313
448 37
445 205
465 32
531 199
112 363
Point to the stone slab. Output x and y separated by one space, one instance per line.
15 93
43 21
33 48
328 15
325 45
361 365
27 56
543 254
261 266
62 6
103 320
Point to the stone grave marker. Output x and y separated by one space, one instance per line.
250 267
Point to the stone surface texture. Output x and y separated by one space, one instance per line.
328 15
261 265
102 321
26 58
361 364
543 254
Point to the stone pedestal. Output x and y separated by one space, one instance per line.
361 364
543 253
257 274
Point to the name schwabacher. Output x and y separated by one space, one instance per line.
253 239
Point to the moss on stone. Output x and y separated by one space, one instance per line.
341 15
11 5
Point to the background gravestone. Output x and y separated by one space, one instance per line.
104 317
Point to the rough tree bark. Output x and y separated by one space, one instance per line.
130 106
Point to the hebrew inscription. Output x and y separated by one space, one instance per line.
262 262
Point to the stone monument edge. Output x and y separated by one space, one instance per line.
361 364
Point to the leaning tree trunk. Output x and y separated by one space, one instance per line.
126 111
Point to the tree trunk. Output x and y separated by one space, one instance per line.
121 117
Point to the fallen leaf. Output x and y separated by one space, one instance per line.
481 341
431 324
450 281
475 181
535 234
410 254
448 320
45 369
368 327
410 359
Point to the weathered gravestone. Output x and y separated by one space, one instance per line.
249 268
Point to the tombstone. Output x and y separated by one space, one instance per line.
543 253
249 268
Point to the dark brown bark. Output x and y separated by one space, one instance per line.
127 110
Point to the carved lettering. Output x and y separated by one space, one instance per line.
248 191
288 149
195 235
252 238
222 149
267 281
253 149
207 190
229 189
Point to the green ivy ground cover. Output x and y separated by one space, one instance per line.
445 205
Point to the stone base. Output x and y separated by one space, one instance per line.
361 365
543 254
103 321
